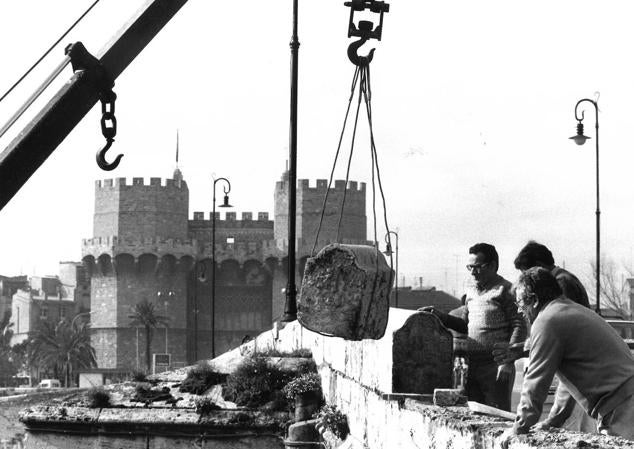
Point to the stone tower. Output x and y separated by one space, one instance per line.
139 251
309 205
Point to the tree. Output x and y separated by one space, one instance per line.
615 292
62 349
144 315
7 367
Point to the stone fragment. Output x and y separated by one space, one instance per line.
447 397
422 355
345 292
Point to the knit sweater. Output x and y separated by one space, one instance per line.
491 317
588 355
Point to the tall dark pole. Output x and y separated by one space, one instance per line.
580 140
213 261
290 306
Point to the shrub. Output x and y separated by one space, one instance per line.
255 383
204 405
334 421
273 352
98 398
139 376
303 384
200 378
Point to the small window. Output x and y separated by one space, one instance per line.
44 312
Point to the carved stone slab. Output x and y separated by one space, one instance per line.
345 292
422 355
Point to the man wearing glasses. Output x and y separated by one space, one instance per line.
589 357
489 316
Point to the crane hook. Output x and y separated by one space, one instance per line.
101 157
108 129
357 59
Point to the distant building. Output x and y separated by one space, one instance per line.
145 247
50 298
415 298
9 285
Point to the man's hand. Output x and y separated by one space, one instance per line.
432 310
504 353
504 372
542 425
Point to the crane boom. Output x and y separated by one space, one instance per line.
37 141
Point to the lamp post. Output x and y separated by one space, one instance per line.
290 305
169 295
389 252
225 203
580 139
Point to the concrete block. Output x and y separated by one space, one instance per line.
345 292
447 397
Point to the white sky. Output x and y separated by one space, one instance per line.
472 101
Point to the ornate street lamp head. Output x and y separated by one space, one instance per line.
580 138
225 203
388 250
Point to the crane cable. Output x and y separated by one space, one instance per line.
361 78
49 50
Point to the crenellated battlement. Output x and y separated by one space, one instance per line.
139 182
232 217
320 185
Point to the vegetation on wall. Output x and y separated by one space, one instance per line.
255 382
200 379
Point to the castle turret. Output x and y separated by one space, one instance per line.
310 201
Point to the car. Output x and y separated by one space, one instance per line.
49 383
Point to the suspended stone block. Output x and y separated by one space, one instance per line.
422 355
345 292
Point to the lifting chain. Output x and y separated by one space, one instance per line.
108 129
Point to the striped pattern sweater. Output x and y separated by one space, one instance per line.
491 317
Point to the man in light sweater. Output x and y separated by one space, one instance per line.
489 316
589 357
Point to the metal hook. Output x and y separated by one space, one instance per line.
101 157
355 58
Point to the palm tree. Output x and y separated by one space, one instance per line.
62 348
7 367
144 315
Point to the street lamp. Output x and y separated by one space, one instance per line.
169 295
388 252
580 139
225 203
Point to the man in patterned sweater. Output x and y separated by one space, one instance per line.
489 316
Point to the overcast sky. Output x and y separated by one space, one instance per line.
473 104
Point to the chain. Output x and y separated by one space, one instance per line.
108 119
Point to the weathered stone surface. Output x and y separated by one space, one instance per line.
345 292
447 397
422 355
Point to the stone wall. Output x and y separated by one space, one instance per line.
358 378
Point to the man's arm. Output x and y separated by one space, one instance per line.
457 319
562 408
544 359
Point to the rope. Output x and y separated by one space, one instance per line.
355 78
48 51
